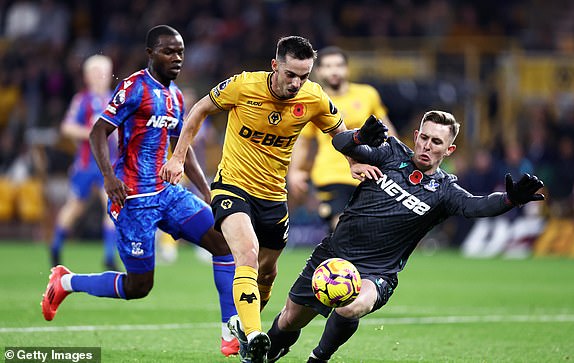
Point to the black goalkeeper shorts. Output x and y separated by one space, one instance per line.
302 291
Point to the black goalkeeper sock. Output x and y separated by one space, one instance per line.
337 331
280 339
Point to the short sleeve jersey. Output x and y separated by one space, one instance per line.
262 128
356 105
147 114
84 110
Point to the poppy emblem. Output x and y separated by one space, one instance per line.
298 110
416 177
169 103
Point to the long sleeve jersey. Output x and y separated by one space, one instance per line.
385 219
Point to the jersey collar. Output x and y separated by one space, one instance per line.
275 95
155 80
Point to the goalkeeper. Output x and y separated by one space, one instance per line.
404 194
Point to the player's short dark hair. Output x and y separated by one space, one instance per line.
152 37
297 47
443 118
332 50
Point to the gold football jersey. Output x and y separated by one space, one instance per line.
262 128
330 166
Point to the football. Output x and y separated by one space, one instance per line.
336 282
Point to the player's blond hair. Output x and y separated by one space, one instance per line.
97 60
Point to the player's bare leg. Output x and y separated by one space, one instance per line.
137 286
241 238
363 304
267 273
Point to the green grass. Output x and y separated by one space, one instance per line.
446 309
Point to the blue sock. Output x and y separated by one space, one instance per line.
106 284
110 238
60 235
223 273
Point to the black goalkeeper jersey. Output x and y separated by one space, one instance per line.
385 219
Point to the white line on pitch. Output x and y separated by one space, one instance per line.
319 322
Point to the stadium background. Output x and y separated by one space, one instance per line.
504 69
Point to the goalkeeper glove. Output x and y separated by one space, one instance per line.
524 190
372 133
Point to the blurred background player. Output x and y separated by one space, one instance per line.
85 177
147 108
327 168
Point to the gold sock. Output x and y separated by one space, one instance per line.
265 292
246 298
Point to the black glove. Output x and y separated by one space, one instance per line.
525 190
372 133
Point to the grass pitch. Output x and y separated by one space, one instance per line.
446 309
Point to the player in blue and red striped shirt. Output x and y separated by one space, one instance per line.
147 109
85 177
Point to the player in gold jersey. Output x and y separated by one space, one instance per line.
266 113
328 169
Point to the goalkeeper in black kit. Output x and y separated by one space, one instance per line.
404 194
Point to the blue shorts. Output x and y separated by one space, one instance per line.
174 210
83 182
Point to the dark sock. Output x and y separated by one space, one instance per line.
337 331
57 243
280 339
